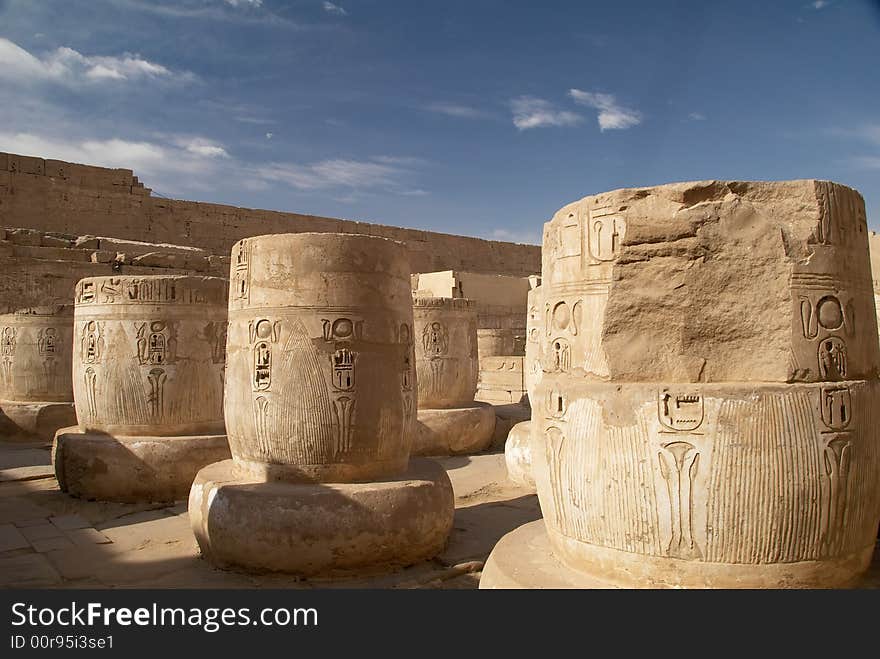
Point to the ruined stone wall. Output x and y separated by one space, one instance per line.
55 196
40 268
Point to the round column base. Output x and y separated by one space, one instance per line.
524 559
321 529
454 431
518 455
101 467
34 420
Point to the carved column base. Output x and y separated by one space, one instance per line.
456 431
518 455
97 466
34 421
324 529
524 559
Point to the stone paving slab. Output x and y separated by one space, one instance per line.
87 537
70 522
44 545
26 473
41 531
11 538
27 571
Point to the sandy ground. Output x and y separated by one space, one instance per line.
51 540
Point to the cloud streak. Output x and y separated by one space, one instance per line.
612 115
68 66
532 112
330 8
456 110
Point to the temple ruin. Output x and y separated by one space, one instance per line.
678 389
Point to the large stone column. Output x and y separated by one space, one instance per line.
36 392
320 407
148 364
517 448
449 421
708 412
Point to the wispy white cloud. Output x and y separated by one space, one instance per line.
334 9
257 121
406 161
820 4
201 146
330 174
612 115
532 112
66 65
229 11
456 110
697 116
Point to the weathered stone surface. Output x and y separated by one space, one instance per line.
454 431
696 255
34 421
321 373
94 465
320 406
532 371
36 393
706 413
449 422
518 455
500 342
502 380
327 529
35 355
445 333
148 361
149 355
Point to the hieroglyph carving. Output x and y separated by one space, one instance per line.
156 343
241 280
92 342
342 333
263 334
605 231
678 465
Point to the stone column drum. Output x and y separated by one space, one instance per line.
517 448
499 342
36 391
449 421
709 412
148 368
320 407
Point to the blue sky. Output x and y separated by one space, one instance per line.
476 117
